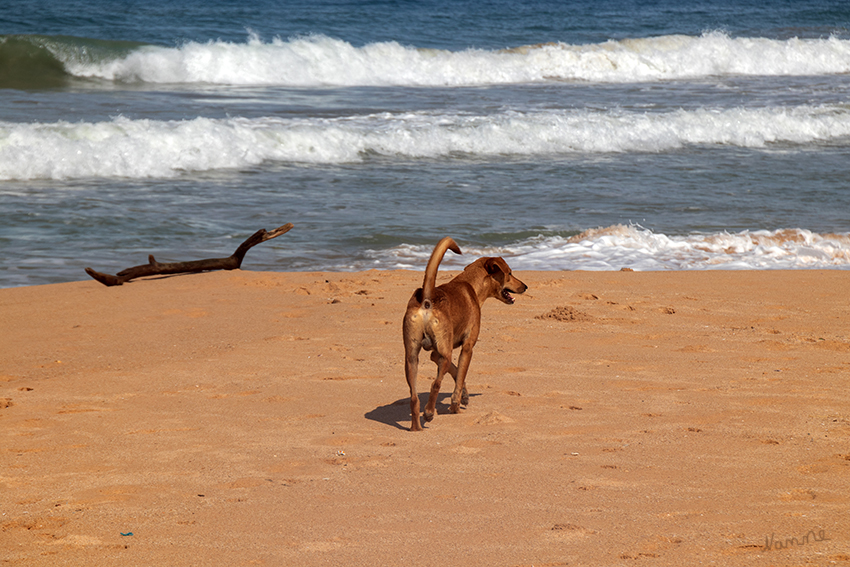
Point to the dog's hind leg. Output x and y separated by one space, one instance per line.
412 333
411 367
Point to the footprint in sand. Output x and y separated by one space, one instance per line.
568 531
565 313
493 418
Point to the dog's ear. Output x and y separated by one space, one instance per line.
492 266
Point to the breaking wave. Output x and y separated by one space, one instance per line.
123 147
316 61
620 246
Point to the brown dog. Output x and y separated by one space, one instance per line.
440 319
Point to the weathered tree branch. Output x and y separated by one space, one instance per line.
154 268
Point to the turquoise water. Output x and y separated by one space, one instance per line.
561 135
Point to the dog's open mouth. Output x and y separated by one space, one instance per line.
507 297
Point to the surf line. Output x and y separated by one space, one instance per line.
793 541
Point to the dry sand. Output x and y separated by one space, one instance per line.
241 418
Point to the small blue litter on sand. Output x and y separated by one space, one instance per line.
127 534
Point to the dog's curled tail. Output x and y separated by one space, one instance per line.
430 282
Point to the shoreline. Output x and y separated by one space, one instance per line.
261 418
606 248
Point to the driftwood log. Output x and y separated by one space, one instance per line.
154 268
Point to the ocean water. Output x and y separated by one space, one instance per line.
561 135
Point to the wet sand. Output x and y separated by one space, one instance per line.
245 418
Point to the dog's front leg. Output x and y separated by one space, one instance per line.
460 395
443 365
464 396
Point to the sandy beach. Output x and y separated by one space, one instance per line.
257 418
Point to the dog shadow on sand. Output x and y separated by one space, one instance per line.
397 414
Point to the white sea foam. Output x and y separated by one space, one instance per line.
322 61
148 148
617 247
